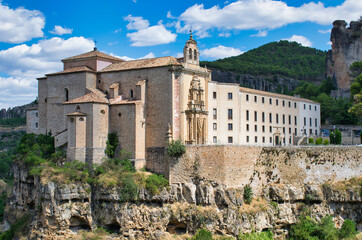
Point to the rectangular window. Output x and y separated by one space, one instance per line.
295 105
263 116
276 102
255 116
290 131
290 120
295 131
315 122
290 140
310 131
310 107
247 127
310 122
295 120
270 101
284 140
255 128
284 130
255 99
36 125
214 126
277 118
256 139
263 139
315 108
262 100
214 139
283 119
305 121
289 104
316 132
270 129
247 97
304 106
247 138
230 95
270 118
247 115
214 95
230 114
271 140
36 114
263 128
214 113
230 139
283 103
230 126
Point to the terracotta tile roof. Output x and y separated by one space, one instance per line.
120 101
91 55
114 85
76 114
142 63
91 97
254 91
72 70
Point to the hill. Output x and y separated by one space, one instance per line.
283 59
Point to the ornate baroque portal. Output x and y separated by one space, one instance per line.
196 115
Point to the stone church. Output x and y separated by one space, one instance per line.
150 102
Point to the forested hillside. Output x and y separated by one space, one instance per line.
283 58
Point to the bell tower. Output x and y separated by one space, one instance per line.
191 51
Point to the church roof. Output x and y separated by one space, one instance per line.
142 63
72 70
91 97
92 54
254 91
77 114
120 101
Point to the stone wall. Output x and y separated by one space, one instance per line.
237 166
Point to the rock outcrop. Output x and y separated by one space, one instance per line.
15 112
61 210
346 49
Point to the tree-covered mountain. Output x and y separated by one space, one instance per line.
283 58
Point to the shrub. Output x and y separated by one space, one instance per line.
129 189
338 136
319 141
325 142
268 235
311 140
111 144
155 183
248 194
202 234
331 137
348 229
176 149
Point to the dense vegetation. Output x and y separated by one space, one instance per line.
13 122
356 89
283 58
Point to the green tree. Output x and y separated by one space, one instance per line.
248 194
111 144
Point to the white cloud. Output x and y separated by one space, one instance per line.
150 55
22 64
112 43
329 43
169 15
59 30
151 36
300 39
224 34
126 58
221 52
324 31
20 25
263 15
261 33
136 23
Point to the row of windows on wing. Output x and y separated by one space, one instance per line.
230 97
230 139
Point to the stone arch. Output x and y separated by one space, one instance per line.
195 54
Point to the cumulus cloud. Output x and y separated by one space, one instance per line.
224 34
136 23
324 31
59 30
300 39
149 55
22 64
221 52
261 33
263 15
20 25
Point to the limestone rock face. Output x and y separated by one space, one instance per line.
61 210
346 49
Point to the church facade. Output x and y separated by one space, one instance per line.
150 102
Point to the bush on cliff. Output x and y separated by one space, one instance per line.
248 194
176 149
202 234
155 183
268 235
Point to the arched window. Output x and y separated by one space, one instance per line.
78 108
190 53
66 94
195 54
131 93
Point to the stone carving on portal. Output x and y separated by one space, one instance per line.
196 114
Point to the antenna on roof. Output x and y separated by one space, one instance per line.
95 45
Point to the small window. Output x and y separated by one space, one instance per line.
214 139
315 108
283 103
263 128
256 139
247 138
119 114
283 119
36 114
247 97
214 95
214 126
190 53
276 102
263 139
310 107
99 81
255 99
247 115
263 116
290 120
195 54
255 116
262 100
271 140
316 132
270 129
131 93
310 122
78 108
295 120
304 106
66 94
255 128
214 113
295 131
230 139
295 105
289 104
305 121
270 118
290 131
81 119
284 130
270 101
230 114
310 132
230 95
103 112
315 122
277 118
36 125
247 127
230 126
290 140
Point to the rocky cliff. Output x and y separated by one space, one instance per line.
17 112
60 211
346 49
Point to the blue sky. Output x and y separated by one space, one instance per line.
35 35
